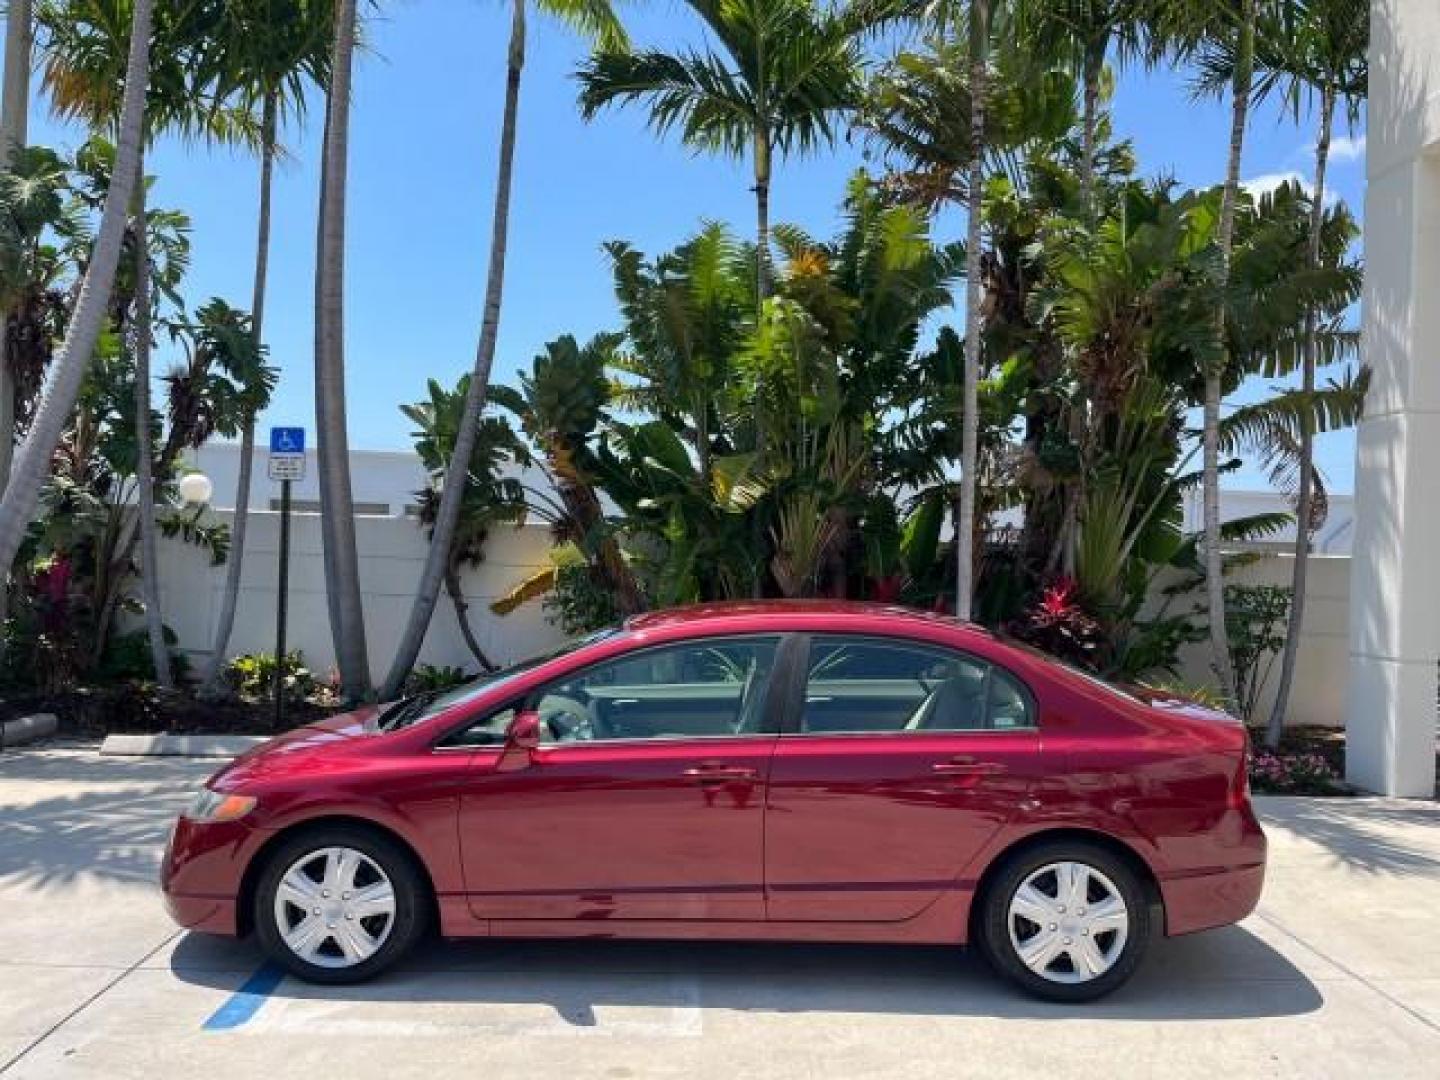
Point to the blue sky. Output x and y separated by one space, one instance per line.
424 130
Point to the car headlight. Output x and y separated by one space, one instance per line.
214 806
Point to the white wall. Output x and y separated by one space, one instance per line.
392 552
1321 668
1395 629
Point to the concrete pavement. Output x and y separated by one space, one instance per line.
1337 974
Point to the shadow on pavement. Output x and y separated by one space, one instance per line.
1372 835
112 828
1224 974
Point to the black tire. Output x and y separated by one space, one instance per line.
992 922
411 893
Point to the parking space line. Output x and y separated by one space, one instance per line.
53 1028
246 1001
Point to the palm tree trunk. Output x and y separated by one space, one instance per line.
442 537
32 464
1090 122
762 215
14 127
337 505
970 398
1300 573
216 669
462 617
144 450
1214 565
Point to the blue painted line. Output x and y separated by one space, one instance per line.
246 1002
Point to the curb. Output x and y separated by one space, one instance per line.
28 728
162 745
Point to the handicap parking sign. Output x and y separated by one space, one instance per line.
287 440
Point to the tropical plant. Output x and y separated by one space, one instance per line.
597 22
1257 614
83 330
14 126
1316 50
488 498
433 679
252 676
560 405
1226 28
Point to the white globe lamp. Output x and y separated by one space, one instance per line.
195 489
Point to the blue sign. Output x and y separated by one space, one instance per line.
287 440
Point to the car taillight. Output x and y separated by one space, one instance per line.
1240 789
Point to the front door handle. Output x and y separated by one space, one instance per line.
721 774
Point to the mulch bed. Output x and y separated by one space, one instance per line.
132 709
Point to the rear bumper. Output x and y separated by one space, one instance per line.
1208 900
1218 895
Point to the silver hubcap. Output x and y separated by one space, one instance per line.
1068 922
335 907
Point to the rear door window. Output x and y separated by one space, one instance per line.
869 685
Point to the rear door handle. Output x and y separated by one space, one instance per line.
721 774
962 766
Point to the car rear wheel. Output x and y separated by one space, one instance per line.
339 905
1066 921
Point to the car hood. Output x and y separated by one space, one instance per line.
303 743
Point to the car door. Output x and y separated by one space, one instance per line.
905 759
646 798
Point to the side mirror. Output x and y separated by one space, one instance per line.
522 739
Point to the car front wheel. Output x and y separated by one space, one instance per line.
1065 921
339 905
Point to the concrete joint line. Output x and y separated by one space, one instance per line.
53 1028
1361 979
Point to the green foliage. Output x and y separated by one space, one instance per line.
1256 616
577 603
432 678
252 676
128 658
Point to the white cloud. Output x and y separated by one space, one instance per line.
1344 149
1268 182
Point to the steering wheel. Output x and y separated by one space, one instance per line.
567 719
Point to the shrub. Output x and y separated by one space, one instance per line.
1057 624
1293 774
252 676
430 678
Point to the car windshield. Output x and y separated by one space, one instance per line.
412 710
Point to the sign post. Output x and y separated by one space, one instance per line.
287 464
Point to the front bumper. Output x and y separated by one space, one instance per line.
203 872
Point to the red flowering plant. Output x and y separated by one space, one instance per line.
1059 625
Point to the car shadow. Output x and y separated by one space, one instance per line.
1223 974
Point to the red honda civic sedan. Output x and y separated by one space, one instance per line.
801 771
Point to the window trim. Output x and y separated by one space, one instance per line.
795 715
782 674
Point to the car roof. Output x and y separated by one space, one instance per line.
782 611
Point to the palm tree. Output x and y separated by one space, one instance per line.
1081 34
596 20
266 54
14 124
1311 50
1222 29
33 463
84 57
337 506
786 69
